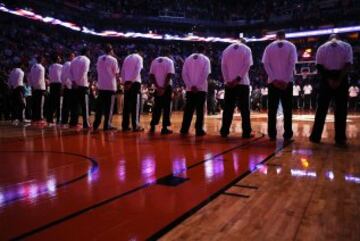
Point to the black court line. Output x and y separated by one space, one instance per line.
273 165
94 167
121 195
246 186
235 194
189 213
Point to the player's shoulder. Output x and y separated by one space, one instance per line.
345 44
204 57
137 56
112 58
168 60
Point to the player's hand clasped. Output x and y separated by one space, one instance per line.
282 85
233 83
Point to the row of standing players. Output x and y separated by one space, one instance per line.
333 59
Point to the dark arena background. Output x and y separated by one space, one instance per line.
238 174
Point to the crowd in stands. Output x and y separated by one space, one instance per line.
216 10
23 40
200 17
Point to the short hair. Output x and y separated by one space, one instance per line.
165 51
69 54
280 34
84 51
138 49
201 48
39 58
55 57
242 40
333 36
108 48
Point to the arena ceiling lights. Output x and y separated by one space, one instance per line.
189 38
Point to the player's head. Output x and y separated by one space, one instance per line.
85 51
200 48
334 37
70 55
138 50
280 35
56 58
165 51
242 40
108 49
40 59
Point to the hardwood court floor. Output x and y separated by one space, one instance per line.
305 192
65 184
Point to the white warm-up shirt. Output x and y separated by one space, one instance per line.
196 71
236 61
160 68
131 68
66 75
279 60
107 68
55 73
79 70
16 78
334 54
37 77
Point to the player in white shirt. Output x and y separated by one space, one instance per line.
307 96
162 71
264 97
296 96
16 84
79 70
195 73
279 60
108 72
38 85
55 90
68 92
235 65
333 60
131 78
353 97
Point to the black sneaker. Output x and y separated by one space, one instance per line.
248 136
166 131
183 132
341 143
200 133
314 140
152 129
111 128
126 129
138 129
224 134
272 138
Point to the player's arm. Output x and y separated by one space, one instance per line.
348 62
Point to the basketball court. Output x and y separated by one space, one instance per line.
69 184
